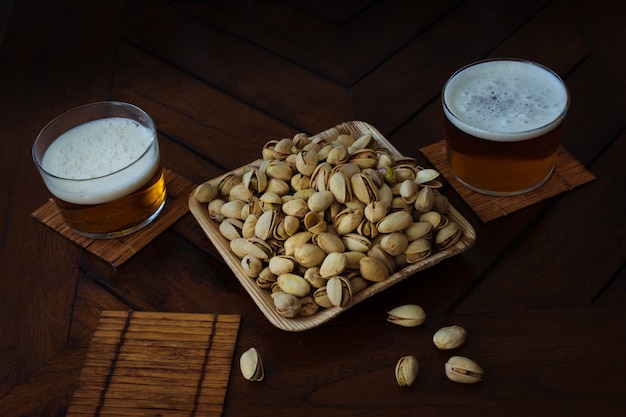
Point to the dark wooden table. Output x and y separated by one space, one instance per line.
542 292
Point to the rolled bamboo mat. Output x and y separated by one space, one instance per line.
156 364
119 250
568 174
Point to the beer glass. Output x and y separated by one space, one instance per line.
101 163
502 124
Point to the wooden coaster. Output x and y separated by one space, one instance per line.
568 174
145 363
119 250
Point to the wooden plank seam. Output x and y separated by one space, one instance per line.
118 349
196 399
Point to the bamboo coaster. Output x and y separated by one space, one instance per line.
153 364
119 250
568 174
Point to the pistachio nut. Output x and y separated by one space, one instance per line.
240 192
406 370
231 228
339 291
306 161
394 243
417 250
215 209
426 175
356 242
264 227
333 264
364 158
352 259
338 154
394 222
313 276
376 210
266 278
463 370
206 192
321 297
282 264
408 191
435 218
227 182
255 180
233 209
449 337
278 170
363 188
309 255
251 266
373 269
296 207
293 284
408 315
287 305
249 226
419 230
309 306
295 241
251 366
448 236
425 200
329 242
314 222
339 185
320 200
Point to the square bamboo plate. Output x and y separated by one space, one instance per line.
262 297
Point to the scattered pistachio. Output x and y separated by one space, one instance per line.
251 365
408 315
450 337
406 370
463 370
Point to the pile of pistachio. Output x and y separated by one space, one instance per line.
319 219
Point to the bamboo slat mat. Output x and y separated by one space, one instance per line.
119 250
156 364
568 174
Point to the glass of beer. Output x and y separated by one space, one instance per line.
502 125
101 163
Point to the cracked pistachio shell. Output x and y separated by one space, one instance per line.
448 235
251 266
408 315
463 370
449 337
339 291
406 370
251 366
286 305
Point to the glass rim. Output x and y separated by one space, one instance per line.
526 134
76 109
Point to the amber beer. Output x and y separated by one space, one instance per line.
502 125
101 163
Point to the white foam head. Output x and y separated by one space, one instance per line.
505 100
100 161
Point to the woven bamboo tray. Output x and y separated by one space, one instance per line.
262 297
156 364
